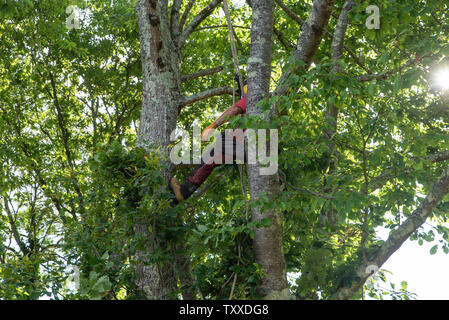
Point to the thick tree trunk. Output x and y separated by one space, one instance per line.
268 244
160 102
161 41
160 75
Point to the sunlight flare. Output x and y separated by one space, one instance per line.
441 79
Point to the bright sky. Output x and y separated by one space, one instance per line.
426 274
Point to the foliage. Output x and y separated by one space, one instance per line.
73 183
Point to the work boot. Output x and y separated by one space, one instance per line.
175 188
187 188
181 192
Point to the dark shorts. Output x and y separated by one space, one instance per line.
231 149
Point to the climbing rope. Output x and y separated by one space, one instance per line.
235 58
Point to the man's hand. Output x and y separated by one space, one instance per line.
208 132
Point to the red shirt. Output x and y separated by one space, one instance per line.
242 104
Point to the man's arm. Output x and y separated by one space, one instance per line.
225 116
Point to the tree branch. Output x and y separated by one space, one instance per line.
65 138
299 21
437 157
201 73
289 12
285 43
313 193
205 95
385 75
339 34
186 14
221 26
400 235
41 181
378 181
308 41
14 230
332 111
197 21
174 19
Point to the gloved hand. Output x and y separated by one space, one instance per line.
239 89
208 131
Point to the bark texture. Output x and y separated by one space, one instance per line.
162 36
160 101
268 244
160 75
309 40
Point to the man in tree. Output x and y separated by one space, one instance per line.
200 173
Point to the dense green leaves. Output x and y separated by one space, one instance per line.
73 185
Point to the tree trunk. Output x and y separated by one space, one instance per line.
268 244
161 41
160 75
160 101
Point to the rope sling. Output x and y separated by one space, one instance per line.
239 77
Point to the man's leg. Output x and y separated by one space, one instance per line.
196 177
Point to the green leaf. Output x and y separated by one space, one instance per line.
404 285
372 88
434 249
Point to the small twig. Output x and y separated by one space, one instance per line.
233 286
235 276
226 282
244 190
